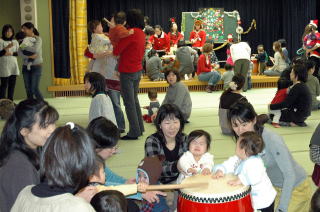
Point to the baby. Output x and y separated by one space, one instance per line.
197 160
153 106
100 43
25 44
249 168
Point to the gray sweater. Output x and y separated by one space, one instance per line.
185 55
101 105
283 171
227 78
314 87
15 174
178 94
37 49
153 66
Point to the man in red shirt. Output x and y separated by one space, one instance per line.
131 52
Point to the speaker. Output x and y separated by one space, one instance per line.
28 9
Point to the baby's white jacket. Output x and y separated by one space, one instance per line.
187 161
251 171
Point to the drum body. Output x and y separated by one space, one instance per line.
218 196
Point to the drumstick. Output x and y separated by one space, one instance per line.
175 186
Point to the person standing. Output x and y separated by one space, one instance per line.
9 68
131 52
32 77
240 53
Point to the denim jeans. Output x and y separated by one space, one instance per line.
115 99
129 90
10 83
31 81
211 77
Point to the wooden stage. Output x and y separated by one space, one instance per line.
260 81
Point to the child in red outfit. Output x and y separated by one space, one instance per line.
117 30
153 107
198 35
160 40
280 96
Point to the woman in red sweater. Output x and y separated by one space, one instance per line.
174 34
204 68
198 35
160 40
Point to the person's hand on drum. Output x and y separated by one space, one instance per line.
206 171
192 171
218 174
235 182
152 196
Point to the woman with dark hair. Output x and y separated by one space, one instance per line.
32 77
286 175
106 136
67 161
177 93
101 105
228 98
169 140
131 51
296 107
9 68
160 40
25 131
174 35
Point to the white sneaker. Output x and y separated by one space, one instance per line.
186 77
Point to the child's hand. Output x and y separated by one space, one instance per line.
142 187
131 32
9 46
153 196
192 171
206 171
131 181
218 174
235 182
87 193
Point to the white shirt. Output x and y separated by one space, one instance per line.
187 161
251 171
240 50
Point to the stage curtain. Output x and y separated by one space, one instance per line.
60 32
78 40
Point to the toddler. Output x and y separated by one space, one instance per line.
149 172
109 201
100 43
227 75
262 59
153 106
280 96
117 29
99 177
26 43
250 170
197 160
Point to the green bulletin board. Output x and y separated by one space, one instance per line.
216 24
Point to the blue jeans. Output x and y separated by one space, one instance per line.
115 99
31 81
129 91
211 77
249 83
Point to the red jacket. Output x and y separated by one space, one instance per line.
203 66
280 96
174 38
117 33
162 43
200 38
131 51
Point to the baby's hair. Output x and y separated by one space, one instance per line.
92 25
120 17
207 48
152 53
20 35
315 201
197 134
152 94
260 47
283 83
251 142
228 67
109 201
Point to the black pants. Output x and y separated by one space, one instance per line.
268 209
7 83
132 206
317 63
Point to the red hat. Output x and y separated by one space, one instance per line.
230 37
173 20
314 23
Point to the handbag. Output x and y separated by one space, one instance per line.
316 175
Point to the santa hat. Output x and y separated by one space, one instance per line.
230 38
314 23
152 167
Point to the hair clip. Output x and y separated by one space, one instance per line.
71 124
